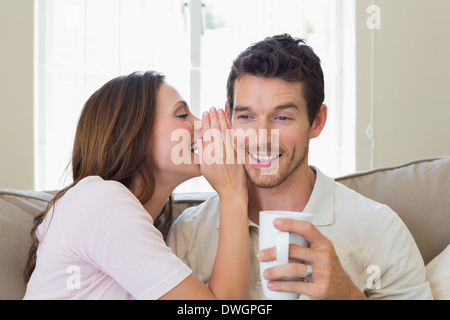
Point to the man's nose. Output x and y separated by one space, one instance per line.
264 128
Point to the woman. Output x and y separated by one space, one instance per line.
97 240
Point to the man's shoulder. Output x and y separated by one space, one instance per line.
364 213
194 228
357 200
208 211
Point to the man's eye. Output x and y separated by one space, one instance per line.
244 116
283 118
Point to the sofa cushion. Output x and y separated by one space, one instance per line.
419 192
438 275
17 210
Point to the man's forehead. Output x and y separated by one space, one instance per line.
276 92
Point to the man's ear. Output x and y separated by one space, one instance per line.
228 113
319 122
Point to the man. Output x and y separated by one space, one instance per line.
358 248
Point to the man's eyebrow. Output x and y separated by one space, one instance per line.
289 105
241 109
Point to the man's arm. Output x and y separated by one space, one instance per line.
405 277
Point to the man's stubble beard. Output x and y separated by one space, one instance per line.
275 180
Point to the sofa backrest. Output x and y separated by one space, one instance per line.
419 192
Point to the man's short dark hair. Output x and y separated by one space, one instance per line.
284 57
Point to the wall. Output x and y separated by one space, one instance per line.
16 94
411 101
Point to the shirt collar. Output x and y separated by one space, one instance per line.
320 203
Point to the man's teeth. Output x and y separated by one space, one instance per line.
265 157
194 149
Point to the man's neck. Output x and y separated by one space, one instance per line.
292 195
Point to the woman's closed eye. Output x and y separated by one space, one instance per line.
183 116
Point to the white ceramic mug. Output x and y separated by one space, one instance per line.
270 237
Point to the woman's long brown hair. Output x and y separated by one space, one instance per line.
111 141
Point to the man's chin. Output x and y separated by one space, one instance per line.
264 181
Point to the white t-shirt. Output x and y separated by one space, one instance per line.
373 244
100 243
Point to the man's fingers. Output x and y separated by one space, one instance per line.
295 252
304 228
294 271
307 288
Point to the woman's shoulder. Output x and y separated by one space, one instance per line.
97 183
94 189
94 197
95 205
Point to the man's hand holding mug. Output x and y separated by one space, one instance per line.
313 270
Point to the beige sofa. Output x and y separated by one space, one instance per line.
418 191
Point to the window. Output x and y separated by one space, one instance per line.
84 43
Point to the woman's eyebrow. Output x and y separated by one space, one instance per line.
181 104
